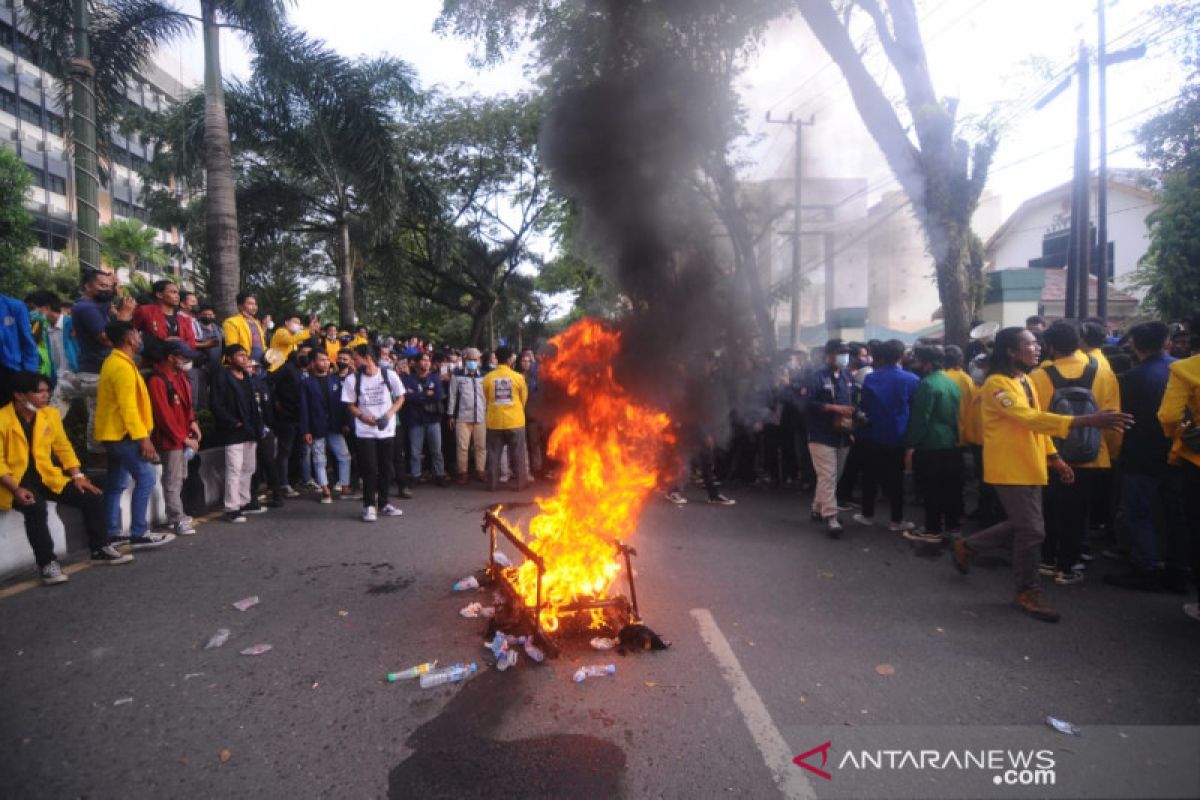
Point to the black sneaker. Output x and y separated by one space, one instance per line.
923 536
275 501
151 540
235 516
721 500
253 507
833 527
1068 577
1047 570
406 493
110 556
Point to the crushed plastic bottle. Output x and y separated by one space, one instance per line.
217 639
451 674
412 672
595 671
467 583
533 651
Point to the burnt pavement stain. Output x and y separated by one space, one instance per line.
394 585
455 757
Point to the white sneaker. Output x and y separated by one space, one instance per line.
368 514
861 520
391 511
901 527
52 573
183 528
1192 610
326 498
676 498
313 485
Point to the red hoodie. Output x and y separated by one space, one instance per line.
151 320
173 414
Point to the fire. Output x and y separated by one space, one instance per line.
610 450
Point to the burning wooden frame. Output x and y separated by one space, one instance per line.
619 611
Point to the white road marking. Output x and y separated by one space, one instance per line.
778 756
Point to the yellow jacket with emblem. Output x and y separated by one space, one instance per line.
122 402
1016 433
284 343
969 421
506 393
49 439
237 331
1105 389
1183 393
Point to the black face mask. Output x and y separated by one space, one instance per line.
208 320
104 296
302 361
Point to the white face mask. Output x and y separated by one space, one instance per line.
842 360
185 366
31 407
294 327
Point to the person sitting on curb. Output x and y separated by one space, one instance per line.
31 432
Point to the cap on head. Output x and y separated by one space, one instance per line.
835 346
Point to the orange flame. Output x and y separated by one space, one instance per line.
610 450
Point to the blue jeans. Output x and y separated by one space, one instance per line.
336 442
125 460
418 437
1141 496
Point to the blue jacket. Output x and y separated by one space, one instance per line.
321 408
817 389
18 350
887 395
424 399
1144 448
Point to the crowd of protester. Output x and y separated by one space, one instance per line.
1075 442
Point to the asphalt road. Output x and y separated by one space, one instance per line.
774 626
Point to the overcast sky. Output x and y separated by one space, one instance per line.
979 50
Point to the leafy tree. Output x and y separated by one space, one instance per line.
16 225
129 243
922 138
32 273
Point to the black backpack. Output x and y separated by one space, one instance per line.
358 381
1074 398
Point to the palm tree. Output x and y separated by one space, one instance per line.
124 33
132 244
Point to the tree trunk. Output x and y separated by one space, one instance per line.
345 271
221 225
952 284
478 323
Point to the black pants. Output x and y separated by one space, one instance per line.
1191 510
37 527
939 474
285 442
779 458
1066 510
400 456
852 470
375 466
884 468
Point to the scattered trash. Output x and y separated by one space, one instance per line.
225 756
826 575
533 651
476 610
451 674
315 685
653 684
601 643
505 657
245 603
257 650
940 630
595 671
191 675
639 637
501 559
343 613
469 582
1062 726
412 672
123 701
885 669
217 639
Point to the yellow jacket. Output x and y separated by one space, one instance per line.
505 392
48 439
1183 392
122 402
1105 389
1016 435
284 343
969 421
1098 354
237 331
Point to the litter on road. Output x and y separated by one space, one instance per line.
245 603
469 582
595 671
476 610
604 643
217 639
1062 726
123 701
412 672
257 650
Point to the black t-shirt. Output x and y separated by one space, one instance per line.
31 480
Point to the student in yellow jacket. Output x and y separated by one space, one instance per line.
505 393
37 465
1068 505
286 338
1017 456
245 329
124 420
1179 413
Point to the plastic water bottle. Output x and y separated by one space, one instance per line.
469 582
451 674
533 651
597 671
189 453
412 672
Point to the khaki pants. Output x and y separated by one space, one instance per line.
174 470
239 470
470 436
828 462
1023 532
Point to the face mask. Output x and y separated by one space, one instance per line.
294 327
31 407
185 366
104 296
443 370
472 366
842 360
208 320
385 362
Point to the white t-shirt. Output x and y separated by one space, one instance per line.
376 399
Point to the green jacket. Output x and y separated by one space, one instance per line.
933 424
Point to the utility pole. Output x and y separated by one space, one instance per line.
1079 250
87 181
797 223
